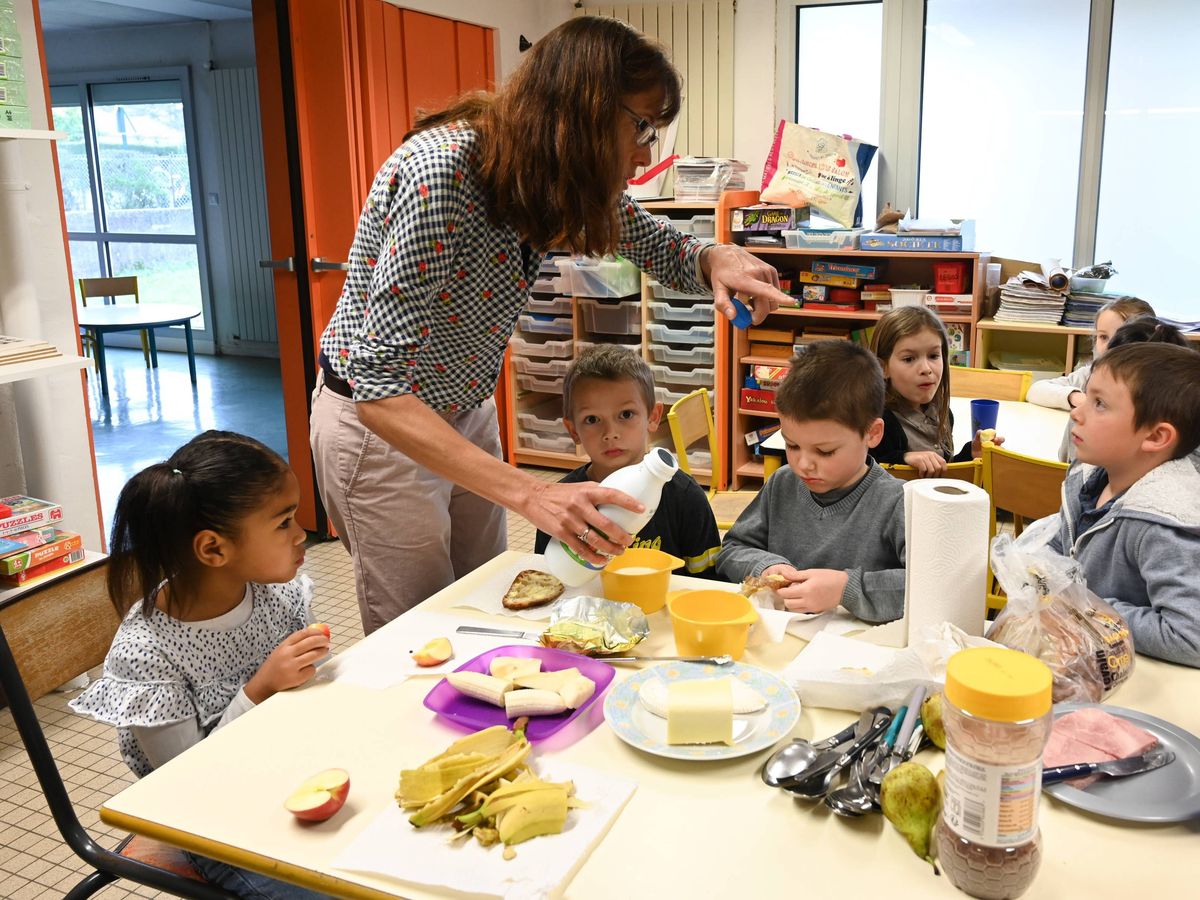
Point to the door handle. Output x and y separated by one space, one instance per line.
287 264
326 265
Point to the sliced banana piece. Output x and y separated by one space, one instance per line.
653 695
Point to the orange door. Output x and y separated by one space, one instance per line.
339 84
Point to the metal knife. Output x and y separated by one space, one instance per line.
1114 768
498 632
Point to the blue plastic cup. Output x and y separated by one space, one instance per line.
984 414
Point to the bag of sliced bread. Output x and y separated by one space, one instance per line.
823 171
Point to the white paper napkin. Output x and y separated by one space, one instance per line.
542 868
489 596
776 623
383 660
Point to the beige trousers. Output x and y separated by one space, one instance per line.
409 532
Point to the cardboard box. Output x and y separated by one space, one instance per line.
767 217
936 243
854 270
771 351
769 335
758 401
814 293
845 281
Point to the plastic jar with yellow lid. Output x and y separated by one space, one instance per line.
997 717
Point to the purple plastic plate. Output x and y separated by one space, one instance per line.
474 715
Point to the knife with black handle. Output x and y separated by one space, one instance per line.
1114 768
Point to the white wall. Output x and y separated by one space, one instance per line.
224 45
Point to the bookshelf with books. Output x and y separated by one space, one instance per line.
45 427
744 351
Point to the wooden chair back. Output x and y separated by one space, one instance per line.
690 420
1025 486
963 471
122 286
989 384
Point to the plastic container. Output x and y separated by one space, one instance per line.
698 377
996 711
711 623
676 312
662 292
640 576
540 385
549 442
683 356
907 297
545 418
699 459
555 284
548 368
821 240
668 397
535 323
697 334
622 317
632 342
551 306
644 482
525 346
1088 285
600 277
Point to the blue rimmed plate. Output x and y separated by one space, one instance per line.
638 727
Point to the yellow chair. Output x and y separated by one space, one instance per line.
989 384
690 419
124 286
971 471
1025 486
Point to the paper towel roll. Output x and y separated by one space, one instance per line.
945 536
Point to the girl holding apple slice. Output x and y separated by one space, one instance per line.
205 551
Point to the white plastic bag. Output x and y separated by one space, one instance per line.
813 168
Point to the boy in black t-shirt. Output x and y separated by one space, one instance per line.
610 410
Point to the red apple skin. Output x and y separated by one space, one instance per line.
321 627
338 791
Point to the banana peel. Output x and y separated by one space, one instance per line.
444 803
533 813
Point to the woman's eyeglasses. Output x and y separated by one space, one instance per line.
647 134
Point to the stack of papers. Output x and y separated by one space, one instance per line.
1082 309
1028 297
15 350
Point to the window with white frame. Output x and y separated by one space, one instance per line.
1060 135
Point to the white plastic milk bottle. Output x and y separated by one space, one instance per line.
644 482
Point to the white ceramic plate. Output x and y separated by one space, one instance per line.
638 727
1169 794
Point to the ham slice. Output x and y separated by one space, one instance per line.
1092 735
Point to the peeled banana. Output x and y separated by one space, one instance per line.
487 688
512 667
533 702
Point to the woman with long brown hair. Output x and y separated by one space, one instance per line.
404 428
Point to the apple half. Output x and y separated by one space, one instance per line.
319 797
434 653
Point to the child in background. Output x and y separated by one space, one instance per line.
832 521
1065 391
1131 508
204 554
1147 330
918 426
610 410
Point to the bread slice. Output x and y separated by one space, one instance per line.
755 583
532 588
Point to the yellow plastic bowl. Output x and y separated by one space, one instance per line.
640 576
711 623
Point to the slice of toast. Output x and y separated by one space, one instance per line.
532 588
752 584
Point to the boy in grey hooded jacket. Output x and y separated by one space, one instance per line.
1131 505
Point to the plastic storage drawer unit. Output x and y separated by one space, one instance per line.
545 418
601 277
547 368
540 385
550 306
554 443
622 317
697 334
676 312
539 324
542 349
665 293
684 356
693 378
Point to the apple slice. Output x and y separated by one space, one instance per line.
319 797
434 653
321 627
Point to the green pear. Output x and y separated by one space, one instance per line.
931 718
910 799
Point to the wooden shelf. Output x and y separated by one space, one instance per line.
90 558
884 254
39 367
752 469
764 361
528 457
762 413
29 134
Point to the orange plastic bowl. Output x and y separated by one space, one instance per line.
711 623
640 576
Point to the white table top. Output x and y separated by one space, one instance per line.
691 829
124 315
1026 427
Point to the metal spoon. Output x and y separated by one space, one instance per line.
712 660
854 799
816 784
791 760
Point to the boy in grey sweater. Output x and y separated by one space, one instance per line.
1131 504
832 521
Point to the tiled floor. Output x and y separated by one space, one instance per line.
34 861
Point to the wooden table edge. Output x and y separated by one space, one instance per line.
245 859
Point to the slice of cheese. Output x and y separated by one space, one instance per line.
700 711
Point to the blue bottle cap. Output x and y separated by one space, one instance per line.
743 319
